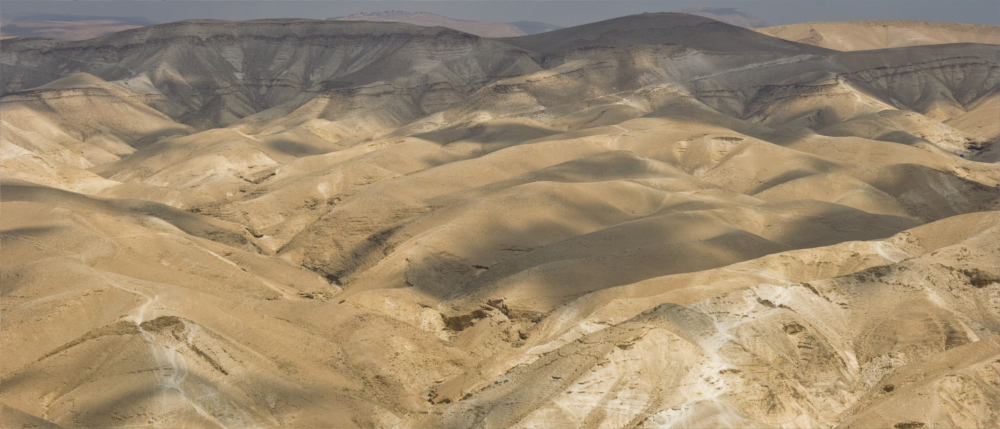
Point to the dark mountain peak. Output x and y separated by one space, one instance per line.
659 28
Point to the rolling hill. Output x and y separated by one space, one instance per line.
659 220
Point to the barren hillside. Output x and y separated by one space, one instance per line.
654 221
866 35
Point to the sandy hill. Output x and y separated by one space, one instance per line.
654 221
864 35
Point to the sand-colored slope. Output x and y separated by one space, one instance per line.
866 35
203 359
907 127
655 221
194 366
55 132
590 362
207 165
978 121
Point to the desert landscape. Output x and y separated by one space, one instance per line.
654 221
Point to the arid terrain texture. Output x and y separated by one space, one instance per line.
656 221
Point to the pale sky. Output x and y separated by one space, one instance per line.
560 12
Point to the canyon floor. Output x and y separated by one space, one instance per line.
659 220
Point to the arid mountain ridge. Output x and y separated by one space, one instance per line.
223 54
479 28
658 220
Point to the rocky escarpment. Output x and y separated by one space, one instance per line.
217 72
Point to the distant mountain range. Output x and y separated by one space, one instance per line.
729 15
479 28
68 27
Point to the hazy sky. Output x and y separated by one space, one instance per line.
561 12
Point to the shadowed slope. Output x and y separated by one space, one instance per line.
266 63
658 29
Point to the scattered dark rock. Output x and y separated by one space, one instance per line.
214 363
766 303
460 322
499 305
873 274
954 337
334 278
793 328
531 316
979 278
163 322
976 145
728 138
813 290
316 295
